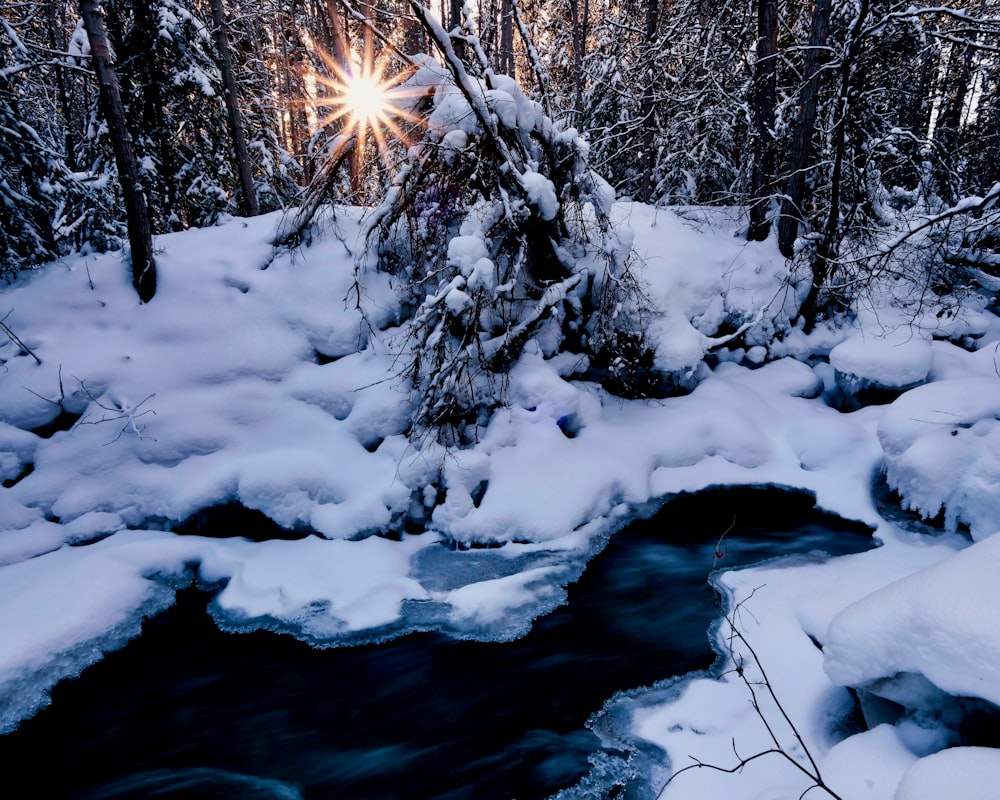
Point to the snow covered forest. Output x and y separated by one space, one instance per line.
374 320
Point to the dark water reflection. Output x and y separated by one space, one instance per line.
188 711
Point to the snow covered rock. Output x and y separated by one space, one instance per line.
942 450
895 362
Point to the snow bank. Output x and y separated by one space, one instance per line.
58 613
932 623
942 451
898 359
700 283
782 610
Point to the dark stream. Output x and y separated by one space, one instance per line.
186 710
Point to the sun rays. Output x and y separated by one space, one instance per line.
366 104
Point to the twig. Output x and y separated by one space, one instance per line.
16 340
122 411
811 771
62 393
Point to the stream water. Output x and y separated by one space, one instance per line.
186 710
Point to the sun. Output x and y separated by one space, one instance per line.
363 103
367 100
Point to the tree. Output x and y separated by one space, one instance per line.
647 107
792 212
234 115
26 234
48 202
500 231
764 99
139 230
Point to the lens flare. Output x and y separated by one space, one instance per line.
366 99
363 103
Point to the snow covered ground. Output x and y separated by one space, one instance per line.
270 388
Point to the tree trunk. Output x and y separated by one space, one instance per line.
580 24
762 146
913 113
648 116
506 38
338 39
137 214
949 121
233 115
805 122
57 41
829 247
455 26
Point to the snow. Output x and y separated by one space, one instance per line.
542 194
898 359
972 773
930 623
942 450
270 379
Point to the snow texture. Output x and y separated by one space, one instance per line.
942 451
897 360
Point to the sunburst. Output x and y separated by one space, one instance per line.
363 100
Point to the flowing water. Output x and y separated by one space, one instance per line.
187 710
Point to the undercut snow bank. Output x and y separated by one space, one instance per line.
897 360
936 623
942 451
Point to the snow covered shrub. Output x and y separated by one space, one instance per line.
500 234
935 260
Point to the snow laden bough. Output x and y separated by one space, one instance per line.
500 234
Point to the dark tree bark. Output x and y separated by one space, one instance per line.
805 122
647 106
829 247
580 21
57 41
914 112
233 115
506 38
455 25
762 146
139 232
949 121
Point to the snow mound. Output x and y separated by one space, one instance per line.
931 623
969 773
941 444
898 360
